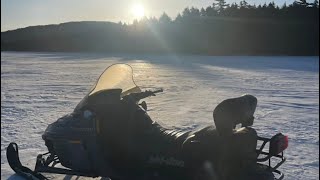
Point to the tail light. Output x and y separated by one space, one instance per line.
278 144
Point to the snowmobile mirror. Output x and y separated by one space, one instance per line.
143 104
278 143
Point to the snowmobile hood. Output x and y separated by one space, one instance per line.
115 82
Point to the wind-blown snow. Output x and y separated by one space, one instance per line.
38 88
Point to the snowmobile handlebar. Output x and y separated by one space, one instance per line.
148 93
144 94
157 91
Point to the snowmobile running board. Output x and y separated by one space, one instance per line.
47 164
42 165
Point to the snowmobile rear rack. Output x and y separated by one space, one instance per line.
277 144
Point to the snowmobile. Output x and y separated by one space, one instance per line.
109 134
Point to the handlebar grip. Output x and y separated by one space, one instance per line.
142 95
157 91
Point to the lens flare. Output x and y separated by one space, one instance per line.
138 11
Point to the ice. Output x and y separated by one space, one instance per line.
38 88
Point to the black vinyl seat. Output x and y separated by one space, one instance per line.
129 137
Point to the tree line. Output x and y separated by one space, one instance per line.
300 9
220 29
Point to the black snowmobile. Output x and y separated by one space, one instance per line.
109 134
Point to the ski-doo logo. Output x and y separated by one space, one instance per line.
170 161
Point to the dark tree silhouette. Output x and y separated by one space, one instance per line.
203 12
194 12
164 18
221 5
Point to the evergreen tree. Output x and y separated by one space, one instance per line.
220 6
303 3
164 18
178 18
243 4
284 6
186 12
203 12
315 4
194 12
211 11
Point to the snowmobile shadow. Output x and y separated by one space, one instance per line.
15 177
67 177
70 177
181 60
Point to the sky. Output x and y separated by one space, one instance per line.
22 13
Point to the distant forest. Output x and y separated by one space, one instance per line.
220 29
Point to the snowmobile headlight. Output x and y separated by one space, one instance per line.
278 144
87 114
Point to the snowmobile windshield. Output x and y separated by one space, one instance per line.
115 78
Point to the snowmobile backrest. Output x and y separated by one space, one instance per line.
231 112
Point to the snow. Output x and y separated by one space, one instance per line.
38 88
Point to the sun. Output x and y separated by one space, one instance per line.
138 11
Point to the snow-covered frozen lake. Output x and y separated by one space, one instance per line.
38 88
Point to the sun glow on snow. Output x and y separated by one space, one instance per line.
137 11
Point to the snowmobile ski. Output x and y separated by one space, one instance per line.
15 164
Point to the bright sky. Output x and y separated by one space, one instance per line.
22 13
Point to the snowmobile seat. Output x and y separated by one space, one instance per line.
144 126
175 134
238 153
230 154
210 135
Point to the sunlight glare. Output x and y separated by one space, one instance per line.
138 11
